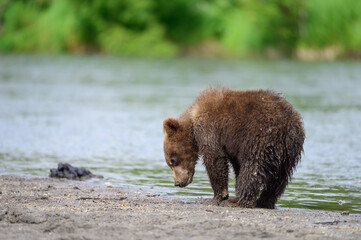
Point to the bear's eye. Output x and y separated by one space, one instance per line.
173 161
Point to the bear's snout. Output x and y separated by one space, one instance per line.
182 177
179 184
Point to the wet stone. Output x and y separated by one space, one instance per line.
65 170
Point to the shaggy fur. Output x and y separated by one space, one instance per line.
257 132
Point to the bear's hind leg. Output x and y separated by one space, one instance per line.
271 193
248 187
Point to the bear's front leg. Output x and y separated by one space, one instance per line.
217 170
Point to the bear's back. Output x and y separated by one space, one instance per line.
224 116
235 105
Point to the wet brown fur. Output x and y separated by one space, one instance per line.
257 132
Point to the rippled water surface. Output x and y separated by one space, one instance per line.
106 114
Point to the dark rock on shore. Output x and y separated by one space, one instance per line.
65 170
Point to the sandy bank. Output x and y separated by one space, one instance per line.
45 208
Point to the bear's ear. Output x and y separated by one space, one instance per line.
170 126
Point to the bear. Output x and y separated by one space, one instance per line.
257 132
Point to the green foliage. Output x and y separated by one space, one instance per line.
27 28
164 28
280 23
150 43
56 29
185 20
239 36
18 20
334 22
257 25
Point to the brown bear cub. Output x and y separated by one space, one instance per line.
257 132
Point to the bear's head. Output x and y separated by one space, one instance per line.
180 151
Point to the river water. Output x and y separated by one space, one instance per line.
106 114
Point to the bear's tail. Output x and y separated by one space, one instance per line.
294 140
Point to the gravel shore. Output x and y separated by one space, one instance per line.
46 208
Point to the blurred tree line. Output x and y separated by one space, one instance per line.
303 28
